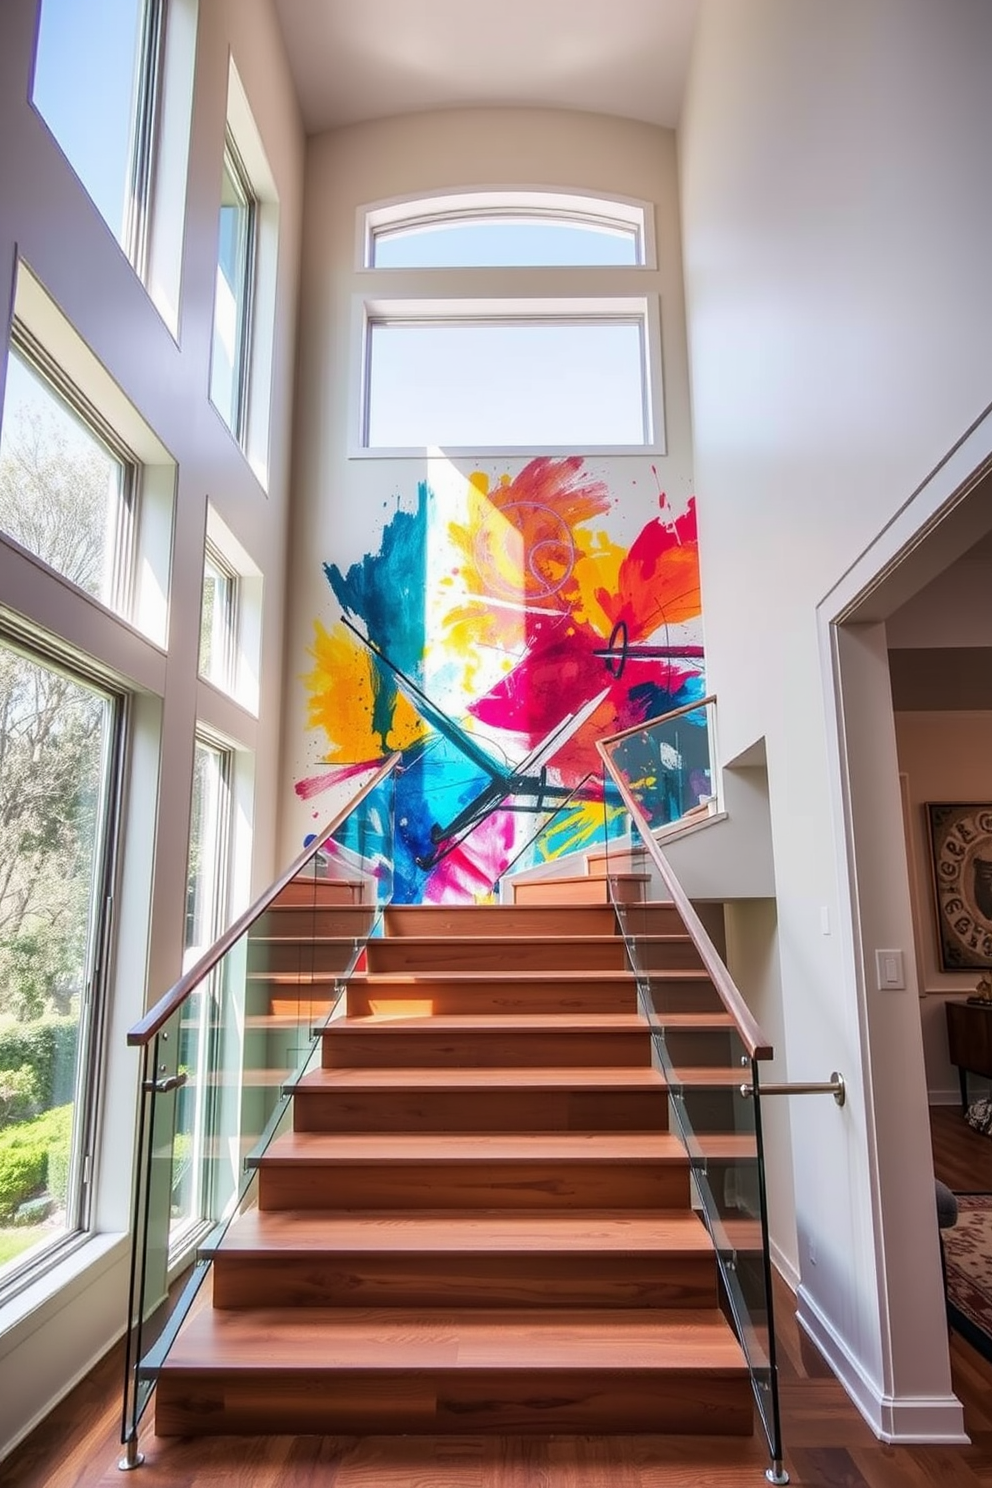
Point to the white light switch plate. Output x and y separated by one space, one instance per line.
891 973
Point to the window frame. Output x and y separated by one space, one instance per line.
134 231
92 1053
189 1231
223 676
119 601
234 167
551 204
369 311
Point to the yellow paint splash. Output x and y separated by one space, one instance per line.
596 572
341 689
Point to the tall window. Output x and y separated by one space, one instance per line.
59 759
233 294
218 619
206 902
67 485
96 81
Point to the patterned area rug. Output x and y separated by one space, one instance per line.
968 1253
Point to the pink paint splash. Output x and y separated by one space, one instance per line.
315 785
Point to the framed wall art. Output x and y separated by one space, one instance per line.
961 860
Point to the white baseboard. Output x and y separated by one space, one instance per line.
784 1266
917 1420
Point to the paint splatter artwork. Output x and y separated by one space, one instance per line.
499 627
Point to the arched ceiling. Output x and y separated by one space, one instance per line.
355 60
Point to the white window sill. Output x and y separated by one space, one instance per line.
50 1292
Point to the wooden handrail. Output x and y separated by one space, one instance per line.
650 723
142 1033
751 1034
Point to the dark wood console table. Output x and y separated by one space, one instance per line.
969 1041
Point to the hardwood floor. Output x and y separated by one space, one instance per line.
827 1443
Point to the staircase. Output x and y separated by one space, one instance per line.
480 1221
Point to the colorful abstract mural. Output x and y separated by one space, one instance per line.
497 630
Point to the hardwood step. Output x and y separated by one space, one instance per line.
481 1100
485 920
497 953
457 1170
474 1258
583 889
682 991
303 921
304 890
504 1371
488 1041
524 993
289 954
617 860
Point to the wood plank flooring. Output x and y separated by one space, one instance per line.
827 1443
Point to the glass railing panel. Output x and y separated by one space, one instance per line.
708 1064
567 823
220 1071
667 763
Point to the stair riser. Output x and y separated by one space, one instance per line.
505 920
304 921
668 955
589 890
674 996
511 1109
483 1185
446 1279
318 891
421 1049
495 955
300 957
702 1049
491 1402
426 997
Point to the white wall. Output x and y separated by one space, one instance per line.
52 1334
341 502
838 302
954 609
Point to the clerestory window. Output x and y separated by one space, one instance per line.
488 229
503 366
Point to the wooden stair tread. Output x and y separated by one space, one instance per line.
387 1340
306 1233
511 976
498 1023
558 1077
690 1022
729 1146
713 1077
627 1147
579 878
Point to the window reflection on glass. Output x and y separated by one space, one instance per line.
88 80
57 747
232 295
218 620
206 889
63 493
